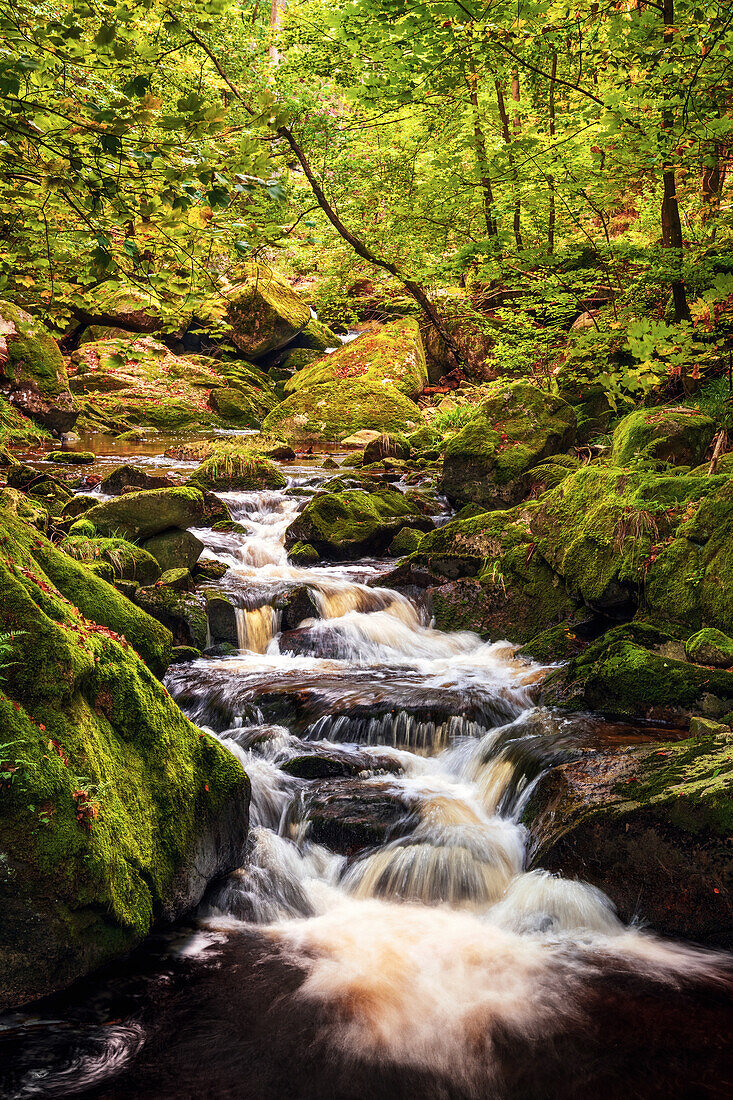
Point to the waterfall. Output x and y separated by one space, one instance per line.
256 627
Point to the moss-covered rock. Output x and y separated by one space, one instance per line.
264 313
17 430
392 354
679 436
349 524
651 827
317 337
295 359
141 515
174 549
127 561
117 810
406 541
127 477
247 408
302 553
183 613
237 467
333 411
710 647
29 354
386 446
628 672
513 429
72 458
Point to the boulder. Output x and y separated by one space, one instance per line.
121 810
246 408
263 313
147 513
222 617
390 355
297 605
334 411
406 541
679 436
133 477
361 438
175 549
648 825
352 523
183 613
303 554
126 561
385 446
29 355
233 467
473 332
514 429
72 458
317 337
78 505
347 815
710 647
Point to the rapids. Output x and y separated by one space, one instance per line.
383 937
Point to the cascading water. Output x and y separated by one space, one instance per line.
383 937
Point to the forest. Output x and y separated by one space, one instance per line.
366 549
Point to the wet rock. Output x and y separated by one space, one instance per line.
222 649
345 815
181 654
236 467
710 647
317 762
679 436
296 605
385 446
222 616
354 523
143 514
72 458
514 429
302 553
210 570
651 827
264 313
280 452
182 613
132 477
175 549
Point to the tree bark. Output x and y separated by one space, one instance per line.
506 134
550 176
671 224
481 157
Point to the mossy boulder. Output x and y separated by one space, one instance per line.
679 436
17 430
515 428
352 523
126 477
126 561
72 458
42 488
710 647
629 672
174 549
386 446
302 553
406 541
141 515
264 313
317 337
29 355
333 411
295 359
233 467
245 407
118 810
183 613
391 354
650 826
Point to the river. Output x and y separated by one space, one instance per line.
383 938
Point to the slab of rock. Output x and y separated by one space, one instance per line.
128 476
175 549
144 514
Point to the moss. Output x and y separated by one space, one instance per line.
296 360
174 549
302 553
141 515
236 467
406 541
32 353
332 411
83 528
677 435
126 561
514 429
247 408
350 523
16 430
391 354
72 458
710 647
264 314
182 613
113 790
317 337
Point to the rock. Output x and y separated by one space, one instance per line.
710 647
125 560
584 322
406 541
390 355
625 674
346 815
179 580
298 604
29 356
210 570
331 411
147 513
264 314
43 488
302 553
84 528
175 549
97 382
651 827
676 435
125 810
223 649
21 475
181 654
132 477
385 446
182 613
469 329
317 337
353 523
245 408
360 438
280 452
233 467
293 360
222 617
335 762
514 429
329 464
705 727
78 505
58 414
72 458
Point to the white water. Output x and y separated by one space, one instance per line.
428 943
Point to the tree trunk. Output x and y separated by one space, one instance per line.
274 27
506 134
671 224
550 176
481 158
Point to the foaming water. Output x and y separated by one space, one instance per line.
256 627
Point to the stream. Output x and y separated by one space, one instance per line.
384 938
